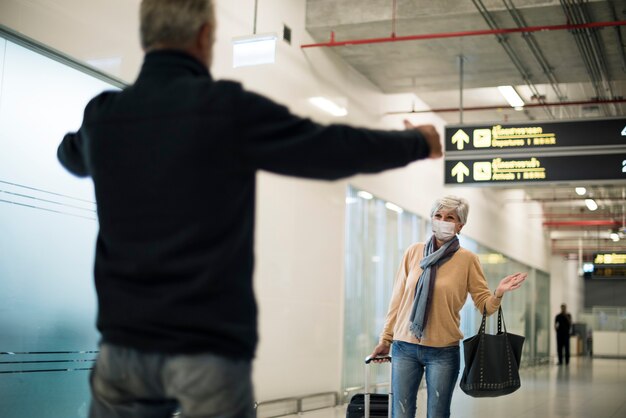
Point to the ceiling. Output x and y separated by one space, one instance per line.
550 69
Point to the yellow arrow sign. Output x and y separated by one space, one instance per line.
460 138
459 171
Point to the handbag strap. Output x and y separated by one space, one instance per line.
501 322
483 323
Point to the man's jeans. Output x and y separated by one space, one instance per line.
128 383
442 370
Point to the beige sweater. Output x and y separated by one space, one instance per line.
460 275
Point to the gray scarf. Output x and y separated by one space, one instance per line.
426 282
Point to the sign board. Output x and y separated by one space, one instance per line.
618 272
513 169
536 152
538 136
609 265
609 259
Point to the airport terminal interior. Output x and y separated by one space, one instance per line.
528 97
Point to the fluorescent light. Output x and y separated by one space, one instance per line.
393 207
614 236
591 204
511 96
588 267
580 191
254 50
328 106
365 195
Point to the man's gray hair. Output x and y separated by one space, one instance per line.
173 22
449 203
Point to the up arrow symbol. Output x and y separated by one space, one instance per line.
624 131
460 137
459 171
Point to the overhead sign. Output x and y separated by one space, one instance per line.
609 265
535 169
604 272
538 136
536 152
611 259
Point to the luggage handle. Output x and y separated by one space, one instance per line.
386 358
368 360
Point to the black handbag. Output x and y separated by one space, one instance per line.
491 361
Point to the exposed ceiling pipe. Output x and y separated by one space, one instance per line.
393 19
456 109
606 246
563 216
557 224
620 42
590 50
555 199
535 49
596 48
334 43
461 59
513 56
586 250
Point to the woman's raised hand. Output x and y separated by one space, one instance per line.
512 282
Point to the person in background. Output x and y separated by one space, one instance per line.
423 318
562 326
173 159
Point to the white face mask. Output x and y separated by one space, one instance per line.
444 231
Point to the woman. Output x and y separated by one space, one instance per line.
423 318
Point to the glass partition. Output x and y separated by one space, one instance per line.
377 234
48 227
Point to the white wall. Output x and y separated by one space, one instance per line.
300 224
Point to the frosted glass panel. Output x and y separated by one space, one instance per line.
48 229
376 238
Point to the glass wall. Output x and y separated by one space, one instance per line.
48 227
377 234
526 311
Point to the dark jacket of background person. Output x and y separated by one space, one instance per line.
173 159
563 324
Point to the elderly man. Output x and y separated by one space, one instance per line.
173 159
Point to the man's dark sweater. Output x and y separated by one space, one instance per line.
173 159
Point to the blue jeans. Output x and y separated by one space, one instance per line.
129 383
442 370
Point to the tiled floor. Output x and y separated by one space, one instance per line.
587 388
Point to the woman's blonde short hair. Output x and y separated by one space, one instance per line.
173 22
450 202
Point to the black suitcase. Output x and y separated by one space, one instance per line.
366 405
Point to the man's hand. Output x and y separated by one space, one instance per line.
432 138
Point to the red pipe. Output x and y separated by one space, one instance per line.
614 224
586 251
550 216
456 109
526 29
